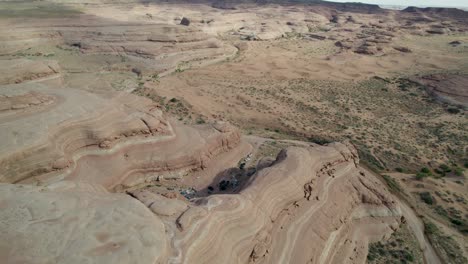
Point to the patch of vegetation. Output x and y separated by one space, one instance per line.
454 217
200 120
366 156
154 77
36 10
458 171
453 110
425 172
392 184
427 198
401 247
405 84
421 175
182 66
319 140
443 169
224 185
446 246
401 170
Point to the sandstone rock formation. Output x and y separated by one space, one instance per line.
314 194
48 137
447 88
21 70
76 223
82 158
159 46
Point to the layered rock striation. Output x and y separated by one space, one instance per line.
313 205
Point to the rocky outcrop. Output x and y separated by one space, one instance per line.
454 13
52 134
21 70
447 88
156 46
185 21
316 194
312 205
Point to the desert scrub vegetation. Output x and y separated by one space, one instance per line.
390 128
427 198
401 247
423 173
454 217
447 248
36 9
452 169
393 184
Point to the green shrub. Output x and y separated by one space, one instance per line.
430 228
440 172
408 256
452 110
200 121
421 175
451 251
427 198
425 170
223 185
445 168
392 183
457 222
441 211
319 140
458 171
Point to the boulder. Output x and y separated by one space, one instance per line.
185 21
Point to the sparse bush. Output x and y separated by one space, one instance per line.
452 110
421 175
392 183
458 171
445 168
319 140
449 248
427 198
425 170
408 256
457 222
440 172
223 185
200 121
441 211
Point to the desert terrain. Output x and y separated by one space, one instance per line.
232 132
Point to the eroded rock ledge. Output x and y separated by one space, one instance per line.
313 205
114 139
310 201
